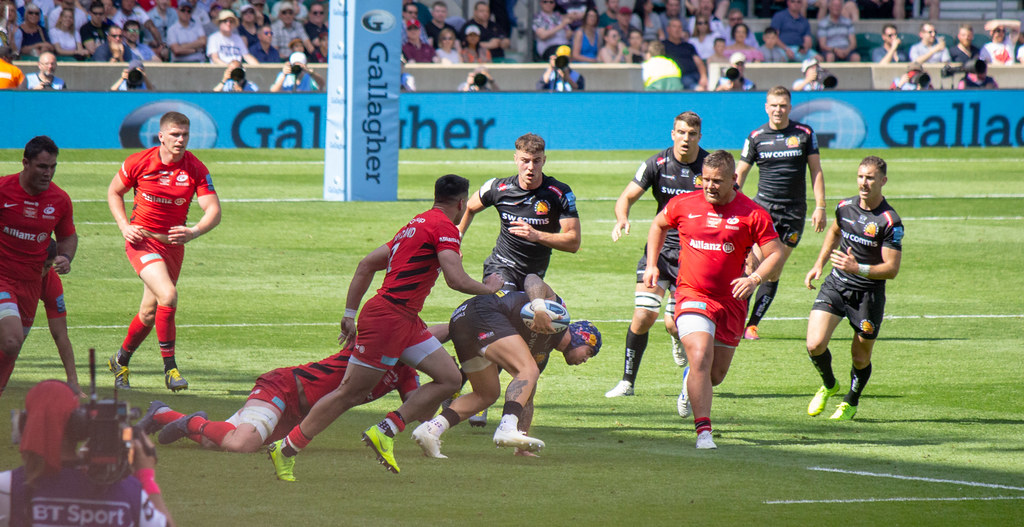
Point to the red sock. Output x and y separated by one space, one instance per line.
167 417
137 332
295 442
701 424
165 330
215 430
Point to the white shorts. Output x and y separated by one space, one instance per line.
692 323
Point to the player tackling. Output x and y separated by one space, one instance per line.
717 229
869 235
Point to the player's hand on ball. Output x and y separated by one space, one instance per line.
542 323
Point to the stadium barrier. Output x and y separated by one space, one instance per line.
584 121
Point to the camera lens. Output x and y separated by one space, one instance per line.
480 80
732 74
296 69
238 75
135 77
561 62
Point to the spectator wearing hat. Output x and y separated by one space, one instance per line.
741 83
316 24
234 80
225 45
812 79
247 26
133 78
263 49
409 13
472 51
558 78
415 50
287 28
550 29
297 77
625 26
659 72
11 76
913 79
186 37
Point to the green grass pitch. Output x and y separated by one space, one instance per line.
938 440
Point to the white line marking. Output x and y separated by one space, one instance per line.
878 500
905 219
915 478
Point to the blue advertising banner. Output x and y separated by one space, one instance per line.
361 155
574 121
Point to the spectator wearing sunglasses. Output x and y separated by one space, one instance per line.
186 37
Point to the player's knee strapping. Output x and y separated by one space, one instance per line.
648 301
261 418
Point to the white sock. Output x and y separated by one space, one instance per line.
441 423
509 422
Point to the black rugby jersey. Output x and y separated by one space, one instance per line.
541 207
781 157
668 177
866 232
509 304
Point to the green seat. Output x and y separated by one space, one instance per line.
980 39
867 42
741 5
908 39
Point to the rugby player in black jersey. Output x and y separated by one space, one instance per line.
869 236
783 150
668 173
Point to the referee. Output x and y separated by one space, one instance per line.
783 150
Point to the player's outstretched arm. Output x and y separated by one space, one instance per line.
655 240
818 186
629 196
455 275
473 206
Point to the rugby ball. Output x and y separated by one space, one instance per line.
559 315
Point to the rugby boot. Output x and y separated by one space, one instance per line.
174 381
283 466
844 412
678 353
751 333
383 446
120 373
147 423
820 399
428 438
517 438
480 419
624 388
705 441
683 403
177 429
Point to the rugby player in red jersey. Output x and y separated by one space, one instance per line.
390 328
717 230
33 208
164 178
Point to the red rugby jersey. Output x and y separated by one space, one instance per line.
413 266
163 193
26 222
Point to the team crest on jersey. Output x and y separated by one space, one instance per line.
792 142
698 182
733 220
541 208
871 229
539 357
502 187
49 209
182 178
866 326
179 201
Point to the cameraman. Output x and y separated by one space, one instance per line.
559 76
815 77
975 78
914 79
133 78
53 488
479 79
234 80
296 76
733 79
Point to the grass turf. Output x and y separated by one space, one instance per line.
266 288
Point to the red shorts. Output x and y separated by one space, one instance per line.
728 314
278 388
385 330
52 295
149 251
19 296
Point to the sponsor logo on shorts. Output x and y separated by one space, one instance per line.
792 142
541 208
871 229
793 237
484 335
866 326
694 305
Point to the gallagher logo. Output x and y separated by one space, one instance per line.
378 21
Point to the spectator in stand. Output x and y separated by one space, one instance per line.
849 9
438 22
132 32
812 79
211 25
81 17
774 50
739 38
624 26
30 38
94 33
8 23
611 13
659 72
472 51
415 50
794 29
999 51
574 9
297 77
133 78
263 50
837 39
113 49
706 10
586 40
66 40
930 48
262 19
883 9
409 13
741 83
964 49
130 10
316 23
979 80
550 29
735 18
613 51
645 19
287 28
555 79
247 28
109 10
485 82
45 79
702 38
720 56
163 17
911 80
446 52
890 50
225 45
491 38
234 80
637 47
11 76
322 52
694 75
673 11
186 37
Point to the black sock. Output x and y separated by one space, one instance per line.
763 299
823 363
512 408
858 379
169 363
635 347
451 416
123 356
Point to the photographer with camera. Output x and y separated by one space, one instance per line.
297 77
914 79
815 78
133 78
60 485
733 78
559 75
234 80
479 79
45 79
975 75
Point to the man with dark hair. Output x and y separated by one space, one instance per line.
94 32
673 171
783 150
717 229
537 212
695 75
890 50
869 236
491 36
390 328
33 208
163 178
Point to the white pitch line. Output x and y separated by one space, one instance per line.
916 478
904 218
880 500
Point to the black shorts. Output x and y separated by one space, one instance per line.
863 309
668 265
475 324
512 278
788 219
